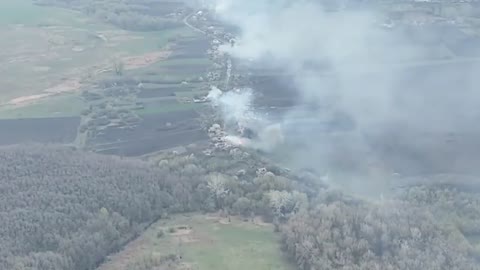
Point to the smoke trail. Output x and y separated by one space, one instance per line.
405 106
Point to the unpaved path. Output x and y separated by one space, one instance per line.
131 251
76 83
139 61
187 23
70 85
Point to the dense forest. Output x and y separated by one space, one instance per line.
63 208
337 234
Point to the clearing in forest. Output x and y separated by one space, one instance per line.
205 243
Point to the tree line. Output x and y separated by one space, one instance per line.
131 15
62 208
65 209
337 234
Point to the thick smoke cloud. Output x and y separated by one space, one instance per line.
411 114
239 116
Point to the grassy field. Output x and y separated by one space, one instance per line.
210 243
49 56
158 107
59 106
155 40
41 47
173 69
24 12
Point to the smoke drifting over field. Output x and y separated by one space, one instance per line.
239 116
411 116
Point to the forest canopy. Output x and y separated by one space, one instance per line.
362 236
62 208
66 209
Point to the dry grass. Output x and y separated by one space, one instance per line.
207 242
139 61
54 54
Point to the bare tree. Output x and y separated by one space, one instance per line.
217 186
118 67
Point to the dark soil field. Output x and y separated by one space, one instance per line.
42 130
434 139
276 88
190 48
157 92
155 132
158 142
435 153
466 48
188 69
153 84
161 8
154 78
457 41
460 43
168 120
150 125
167 90
276 91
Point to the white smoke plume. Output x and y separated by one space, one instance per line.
238 115
235 106
405 104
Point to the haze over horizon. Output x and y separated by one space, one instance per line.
412 119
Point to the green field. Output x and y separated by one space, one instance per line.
41 47
47 45
158 107
58 106
24 12
211 243
170 70
155 40
186 61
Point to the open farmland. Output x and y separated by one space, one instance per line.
190 48
156 91
65 105
166 106
62 51
458 41
205 243
154 132
42 130
161 96
156 142
172 72
408 146
75 52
